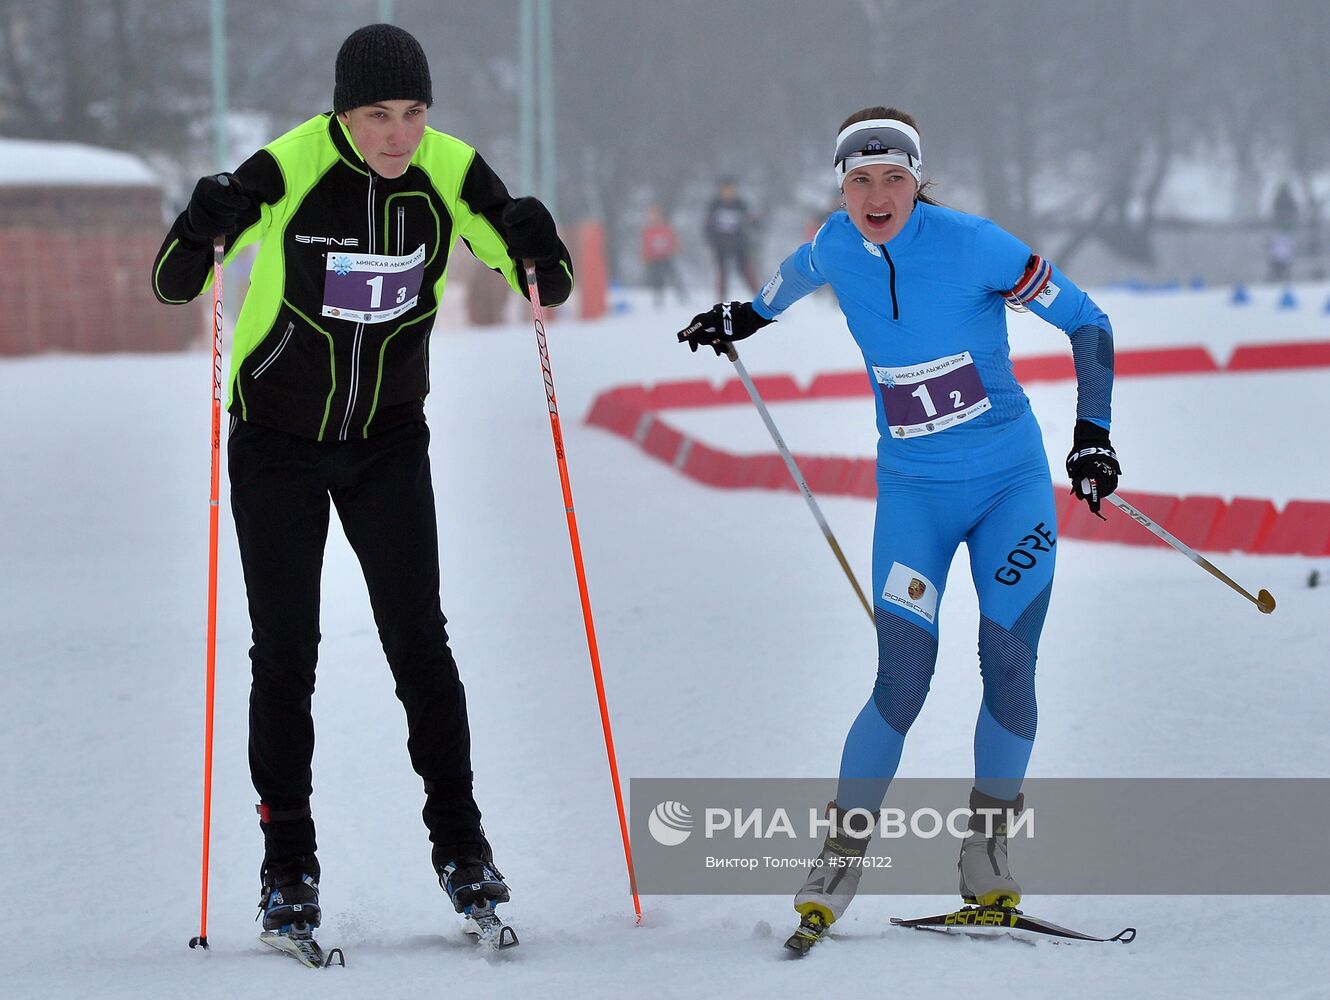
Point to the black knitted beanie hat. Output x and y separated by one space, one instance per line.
380 62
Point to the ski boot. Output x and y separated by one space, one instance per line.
985 877
467 874
290 893
476 887
833 879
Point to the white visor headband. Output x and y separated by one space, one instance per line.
878 140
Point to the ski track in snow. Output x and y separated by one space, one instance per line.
732 646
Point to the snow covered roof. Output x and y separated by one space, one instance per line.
31 161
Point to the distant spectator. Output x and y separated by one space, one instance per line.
1282 245
816 218
660 250
1284 214
1280 255
729 228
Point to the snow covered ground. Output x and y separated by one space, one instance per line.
714 609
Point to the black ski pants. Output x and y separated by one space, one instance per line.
734 257
281 486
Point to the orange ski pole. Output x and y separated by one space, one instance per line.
218 250
538 315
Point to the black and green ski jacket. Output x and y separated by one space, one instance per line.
316 208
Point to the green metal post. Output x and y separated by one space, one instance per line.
221 149
526 97
545 50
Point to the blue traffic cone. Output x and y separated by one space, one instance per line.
1240 296
1288 300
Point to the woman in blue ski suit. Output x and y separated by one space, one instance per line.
924 290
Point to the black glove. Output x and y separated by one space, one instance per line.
722 325
1092 465
214 206
529 230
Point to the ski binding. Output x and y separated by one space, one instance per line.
297 941
812 929
488 928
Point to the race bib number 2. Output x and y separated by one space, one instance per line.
371 288
932 396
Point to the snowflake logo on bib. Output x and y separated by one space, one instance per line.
341 265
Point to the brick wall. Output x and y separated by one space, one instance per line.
75 272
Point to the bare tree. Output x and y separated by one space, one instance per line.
1065 123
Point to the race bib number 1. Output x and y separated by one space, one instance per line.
371 288
932 396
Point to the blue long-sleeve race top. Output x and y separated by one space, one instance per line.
928 311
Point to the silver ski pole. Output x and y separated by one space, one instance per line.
798 476
1264 600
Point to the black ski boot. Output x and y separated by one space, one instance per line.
468 876
290 893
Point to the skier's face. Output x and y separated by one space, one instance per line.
387 134
879 198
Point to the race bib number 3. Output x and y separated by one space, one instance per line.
932 396
371 288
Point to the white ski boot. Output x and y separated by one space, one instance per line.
985 876
834 879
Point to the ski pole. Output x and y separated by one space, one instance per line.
1264 600
218 252
538 315
798 477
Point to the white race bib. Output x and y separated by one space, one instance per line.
932 396
371 287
